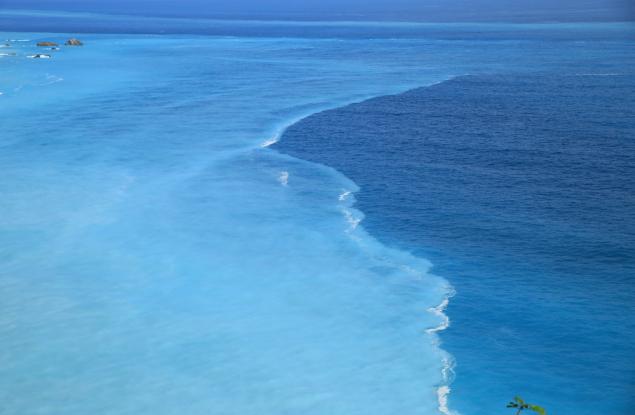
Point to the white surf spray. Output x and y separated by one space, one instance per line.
278 131
352 220
440 312
283 178
269 142
442 396
447 370
344 195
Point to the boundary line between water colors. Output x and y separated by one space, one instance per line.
447 372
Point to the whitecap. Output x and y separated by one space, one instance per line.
269 142
283 178
447 371
440 312
353 221
442 396
344 195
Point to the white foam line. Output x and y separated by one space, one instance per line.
442 396
269 142
278 133
440 312
344 195
447 371
443 391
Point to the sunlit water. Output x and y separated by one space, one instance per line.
158 257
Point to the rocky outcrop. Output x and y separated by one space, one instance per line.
47 44
74 42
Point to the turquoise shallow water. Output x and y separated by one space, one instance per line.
158 257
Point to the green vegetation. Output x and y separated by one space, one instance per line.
519 404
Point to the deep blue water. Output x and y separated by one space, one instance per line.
395 10
68 22
520 190
157 255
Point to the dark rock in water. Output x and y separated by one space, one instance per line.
40 56
47 44
74 42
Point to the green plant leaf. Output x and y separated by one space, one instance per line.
519 400
538 409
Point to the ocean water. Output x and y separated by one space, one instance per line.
159 256
519 188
